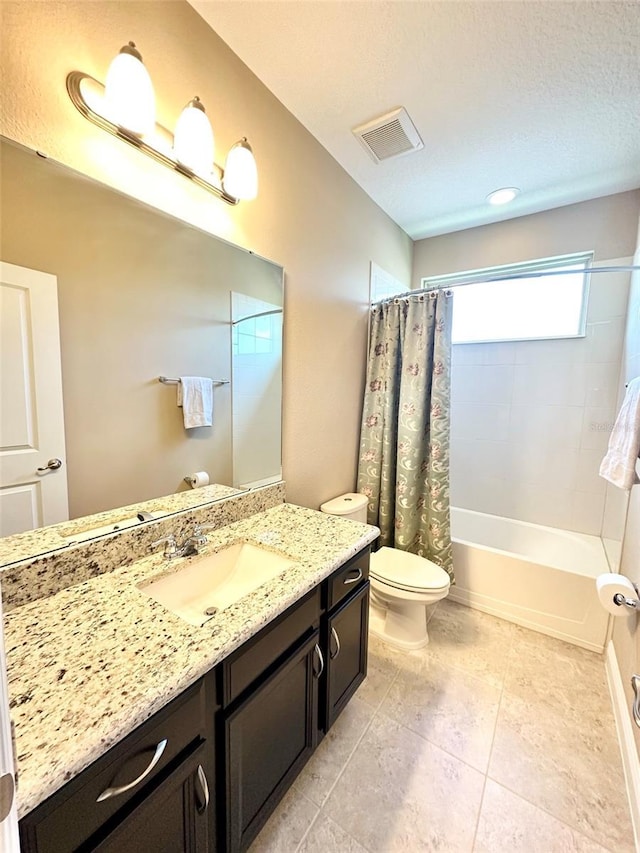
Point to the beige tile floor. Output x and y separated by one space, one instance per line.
493 739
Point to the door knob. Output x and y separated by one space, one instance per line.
52 465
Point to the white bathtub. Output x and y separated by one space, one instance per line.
540 577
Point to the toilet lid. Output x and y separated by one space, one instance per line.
407 571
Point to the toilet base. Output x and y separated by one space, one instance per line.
403 626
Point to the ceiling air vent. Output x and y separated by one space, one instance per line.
390 135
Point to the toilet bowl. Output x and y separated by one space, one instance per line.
403 585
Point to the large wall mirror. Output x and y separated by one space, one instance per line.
140 295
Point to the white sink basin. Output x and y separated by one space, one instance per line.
204 585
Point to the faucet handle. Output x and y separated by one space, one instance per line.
198 535
170 545
200 528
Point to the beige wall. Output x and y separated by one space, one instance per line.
626 635
606 226
309 216
140 294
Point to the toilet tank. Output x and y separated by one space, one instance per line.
351 505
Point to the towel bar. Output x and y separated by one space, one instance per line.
167 381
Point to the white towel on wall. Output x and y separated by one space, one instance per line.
195 395
619 463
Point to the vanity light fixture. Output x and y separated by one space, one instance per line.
129 99
193 138
503 196
125 107
240 172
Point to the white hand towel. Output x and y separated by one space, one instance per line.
195 395
619 464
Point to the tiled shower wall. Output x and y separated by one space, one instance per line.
530 420
256 392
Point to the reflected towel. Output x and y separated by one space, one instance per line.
619 464
195 395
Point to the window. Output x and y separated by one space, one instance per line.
521 307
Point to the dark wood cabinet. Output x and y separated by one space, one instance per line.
347 579
175 817
268 739
247 666
87 809
204 774
346 668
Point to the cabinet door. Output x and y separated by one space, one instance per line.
268 739
175 818
347 652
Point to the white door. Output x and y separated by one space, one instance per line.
33 479
8 812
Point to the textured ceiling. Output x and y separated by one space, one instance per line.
544 96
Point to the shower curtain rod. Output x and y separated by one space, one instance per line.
540 274
253 316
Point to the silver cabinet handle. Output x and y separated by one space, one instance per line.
357 578
635 683
202 778
114 792
334 634
52 465
321 659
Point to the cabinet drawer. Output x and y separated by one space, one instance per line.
248 663
174 818
347 578
113 784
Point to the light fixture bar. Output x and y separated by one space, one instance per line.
74 81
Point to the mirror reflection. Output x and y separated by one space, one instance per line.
139 295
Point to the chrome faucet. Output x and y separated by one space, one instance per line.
197 539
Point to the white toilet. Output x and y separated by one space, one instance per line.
402 584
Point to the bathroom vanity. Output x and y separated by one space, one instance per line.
180 737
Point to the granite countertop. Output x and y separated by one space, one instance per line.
90 663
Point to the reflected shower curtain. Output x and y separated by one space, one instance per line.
404 444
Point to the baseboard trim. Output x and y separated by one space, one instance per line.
630 760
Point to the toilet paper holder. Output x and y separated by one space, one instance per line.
622 600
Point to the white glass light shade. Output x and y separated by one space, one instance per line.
129 98
193 139
240 172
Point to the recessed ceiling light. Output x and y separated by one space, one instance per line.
503 196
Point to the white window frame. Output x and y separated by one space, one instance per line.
525 269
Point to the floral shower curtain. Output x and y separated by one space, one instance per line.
404 443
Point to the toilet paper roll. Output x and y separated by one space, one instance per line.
609 585
197 480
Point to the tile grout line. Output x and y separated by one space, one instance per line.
493 738
505 692
550 814
422 736
344 767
